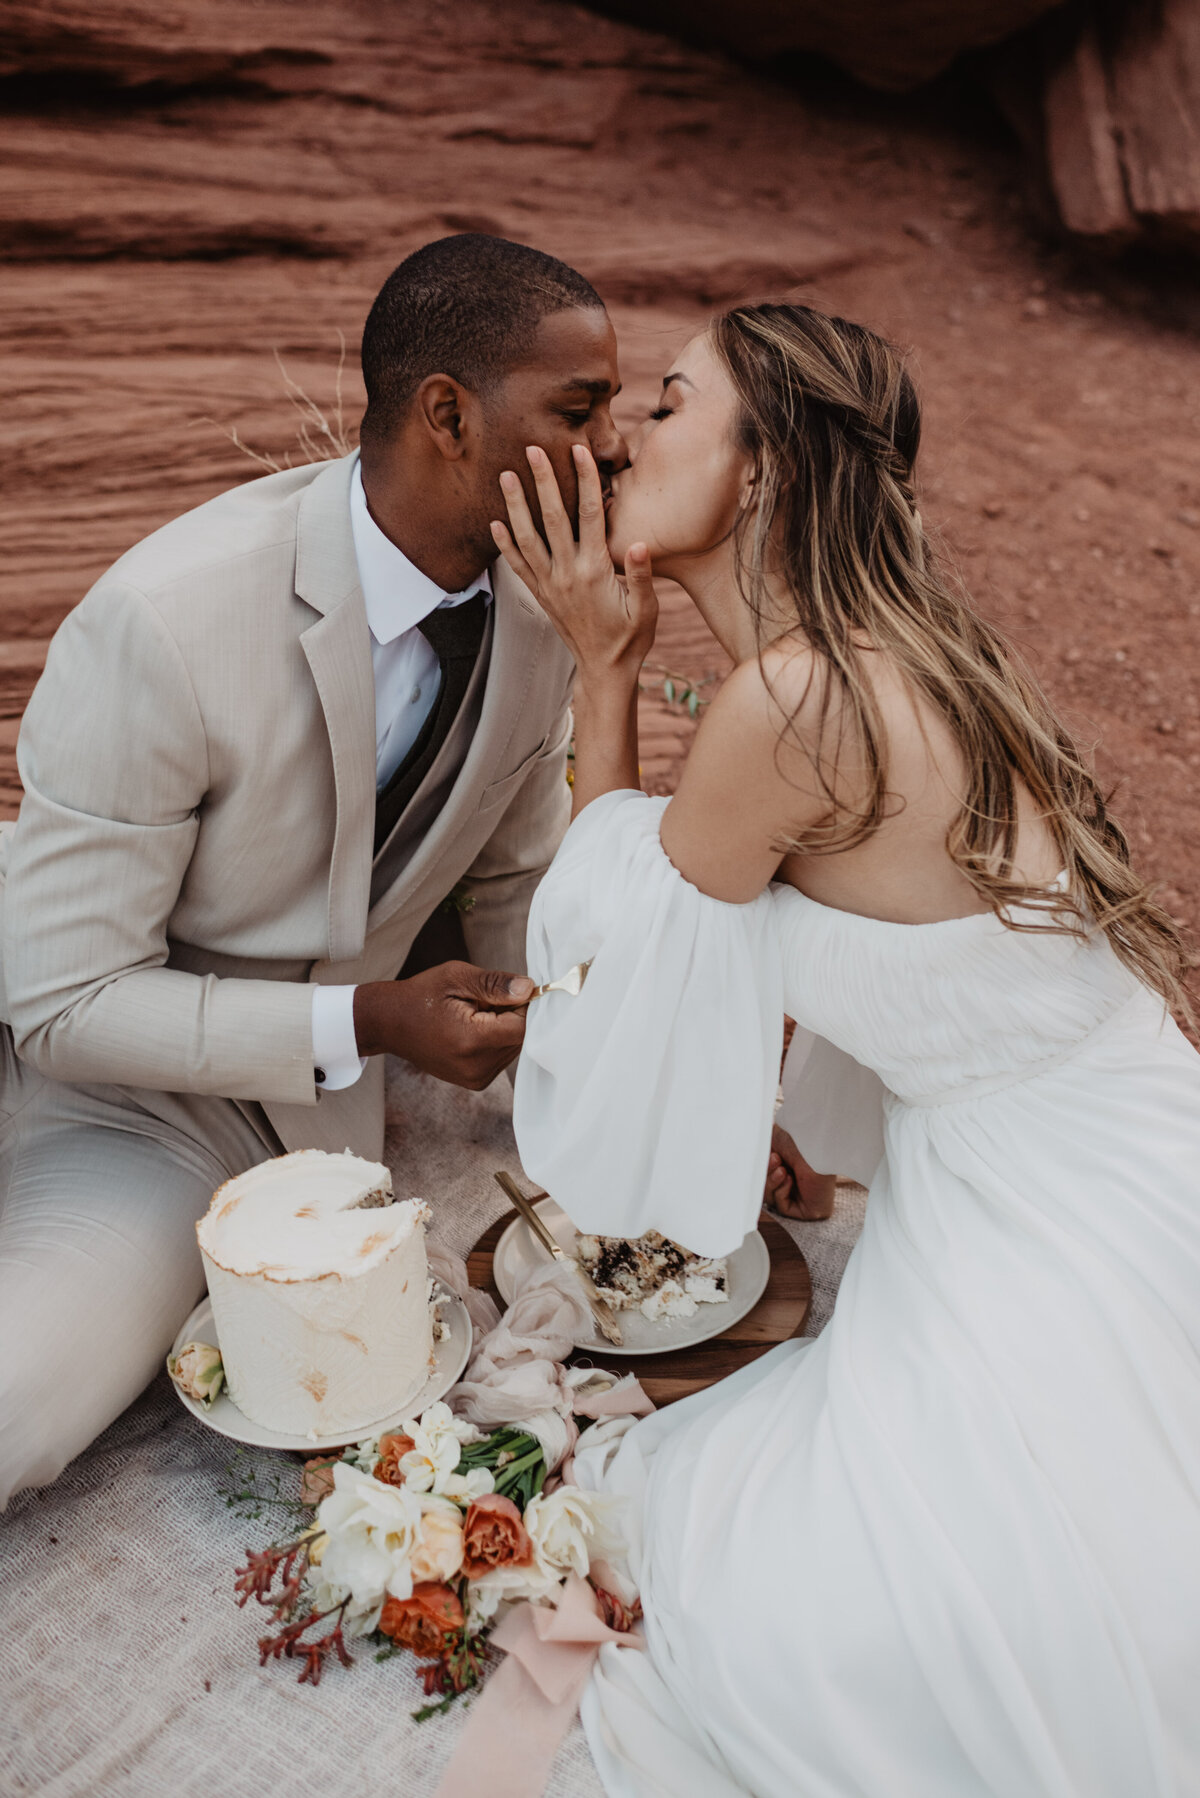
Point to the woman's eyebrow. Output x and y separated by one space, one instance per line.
667 379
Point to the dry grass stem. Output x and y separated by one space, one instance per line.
320 438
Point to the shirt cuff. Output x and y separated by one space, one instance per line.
336 1059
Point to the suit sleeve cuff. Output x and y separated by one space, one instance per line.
336 1060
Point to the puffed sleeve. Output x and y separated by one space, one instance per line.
646 1102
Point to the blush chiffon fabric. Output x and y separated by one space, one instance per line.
951 1547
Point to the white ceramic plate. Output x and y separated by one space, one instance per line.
451 1356
749 1271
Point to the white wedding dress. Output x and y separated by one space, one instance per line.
951 1547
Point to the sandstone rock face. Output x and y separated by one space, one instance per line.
190 189
888 43
1122 126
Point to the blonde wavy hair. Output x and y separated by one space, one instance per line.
831 420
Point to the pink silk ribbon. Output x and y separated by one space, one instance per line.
515 1728
628 1398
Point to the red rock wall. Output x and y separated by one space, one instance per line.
188 189
1122 125
894 44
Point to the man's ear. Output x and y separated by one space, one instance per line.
444 406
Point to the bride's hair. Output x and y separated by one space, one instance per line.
832 423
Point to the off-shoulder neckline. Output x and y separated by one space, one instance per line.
857 917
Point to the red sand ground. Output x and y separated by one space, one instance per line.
1063 412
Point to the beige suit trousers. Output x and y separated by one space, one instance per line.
99 1196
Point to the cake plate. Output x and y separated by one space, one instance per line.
450 1358
749 1268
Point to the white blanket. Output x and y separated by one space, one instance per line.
126 1669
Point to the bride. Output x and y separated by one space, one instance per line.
951 1547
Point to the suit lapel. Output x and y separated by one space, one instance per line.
338 649
517 633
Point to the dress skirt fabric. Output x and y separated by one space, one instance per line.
951 1548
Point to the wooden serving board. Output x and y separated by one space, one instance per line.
780 1313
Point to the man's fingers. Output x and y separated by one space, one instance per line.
555 522
494 990
497 1029
591 501
521 523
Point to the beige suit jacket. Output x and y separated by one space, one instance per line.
195 843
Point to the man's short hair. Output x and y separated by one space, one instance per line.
467 306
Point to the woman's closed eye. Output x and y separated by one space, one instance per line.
661 412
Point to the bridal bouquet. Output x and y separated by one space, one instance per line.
420 1539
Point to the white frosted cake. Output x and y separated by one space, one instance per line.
319 1291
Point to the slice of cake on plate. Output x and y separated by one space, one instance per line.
653 1274
319 1290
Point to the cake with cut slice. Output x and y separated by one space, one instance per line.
319 1289
652 1274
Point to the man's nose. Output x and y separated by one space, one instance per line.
610 448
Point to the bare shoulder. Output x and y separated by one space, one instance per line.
782 692
747 783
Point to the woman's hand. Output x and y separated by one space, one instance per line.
793 1188
607 625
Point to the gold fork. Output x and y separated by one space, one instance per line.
571 982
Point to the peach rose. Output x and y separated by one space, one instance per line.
391 1450
316 1482
494 1536
425 1622
439 1551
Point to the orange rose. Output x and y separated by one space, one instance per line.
425 1622
494 1536
391 1448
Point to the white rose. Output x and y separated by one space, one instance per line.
438 1441
371 1531
570 1529
463 1487
322 1596
505 1585
198 1370
438 1554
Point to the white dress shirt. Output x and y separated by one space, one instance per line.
407 680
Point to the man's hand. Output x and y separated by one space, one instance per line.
793 1188
463 1024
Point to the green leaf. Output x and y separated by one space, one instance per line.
669 690
693 705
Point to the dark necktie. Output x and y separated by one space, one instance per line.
455 634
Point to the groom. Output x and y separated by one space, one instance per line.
272 744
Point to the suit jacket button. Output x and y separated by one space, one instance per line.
319 1076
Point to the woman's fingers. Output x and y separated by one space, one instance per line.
639 581
555 522
513 556
591 501
523 530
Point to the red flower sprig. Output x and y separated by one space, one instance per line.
314 1654
618 1616
287 1561
457 1669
